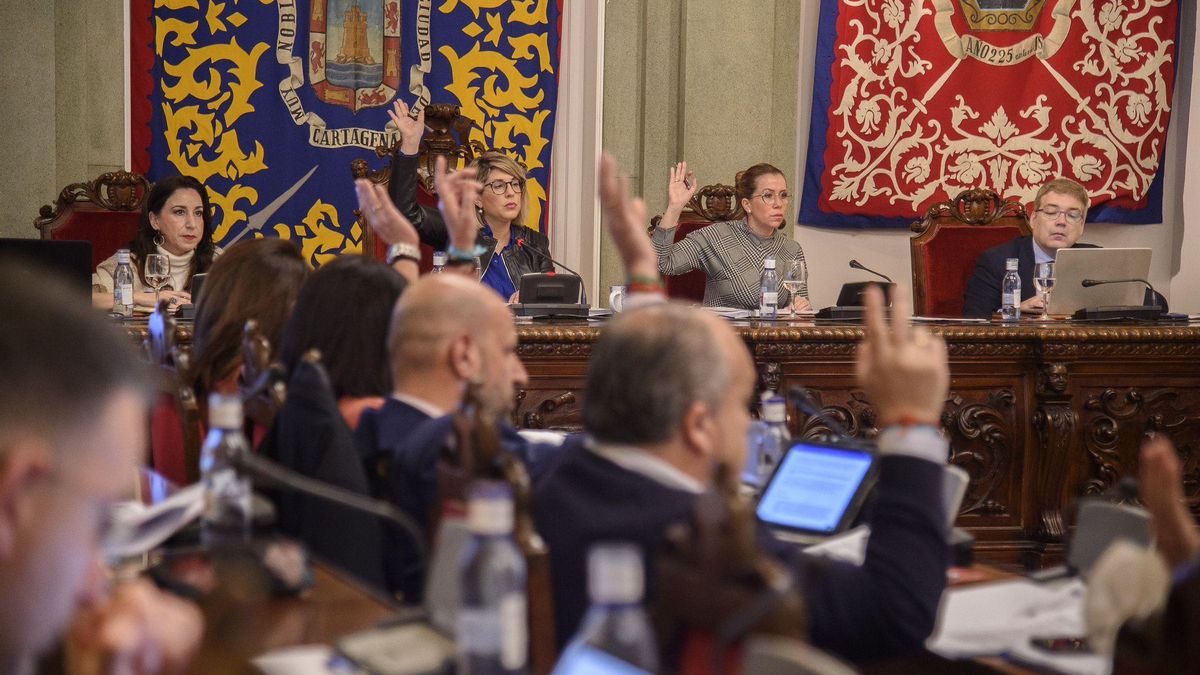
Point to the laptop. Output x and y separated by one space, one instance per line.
1073 265
69 260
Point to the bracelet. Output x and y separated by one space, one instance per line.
403 251
655 287
644 280
456 253
909 422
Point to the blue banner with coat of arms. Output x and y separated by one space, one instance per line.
268 102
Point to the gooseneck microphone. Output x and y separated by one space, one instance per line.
859 266
1088 283
546 256
268 473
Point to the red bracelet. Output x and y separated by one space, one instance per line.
645 288
908 421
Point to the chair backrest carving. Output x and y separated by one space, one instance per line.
711 204
104 211
264 389
948 240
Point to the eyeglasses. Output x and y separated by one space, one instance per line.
501 186
769 197
1052 212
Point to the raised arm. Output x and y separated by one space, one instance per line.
457 193
402 187
686 255
382 216
888 606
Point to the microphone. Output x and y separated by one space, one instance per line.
546 256
1088 283
272 474
859 266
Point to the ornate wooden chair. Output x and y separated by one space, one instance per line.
104 211
949 239
264 388
477 454
447 135
711 204
175 424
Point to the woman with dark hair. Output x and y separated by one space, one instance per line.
177 223
731 253
505 247
257 279
351 335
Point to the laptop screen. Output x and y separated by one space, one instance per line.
815 488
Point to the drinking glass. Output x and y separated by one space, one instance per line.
1043 283
795 274
158 270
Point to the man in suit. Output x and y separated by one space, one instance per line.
667 397
72 434
1059 212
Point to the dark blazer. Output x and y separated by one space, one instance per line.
311 437
884 608
401 446
518 261
983 289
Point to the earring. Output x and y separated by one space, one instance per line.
158 238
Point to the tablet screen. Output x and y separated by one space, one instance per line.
813 487
584 660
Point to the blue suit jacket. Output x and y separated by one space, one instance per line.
884 608
983 288
400 446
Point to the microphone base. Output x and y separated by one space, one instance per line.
548 309
1121 312
841 313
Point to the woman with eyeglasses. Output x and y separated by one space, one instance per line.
731 253
505 248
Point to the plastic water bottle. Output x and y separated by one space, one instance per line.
777 437
1010 292
439 262
491 631
123 285
615 624
769 303
226 519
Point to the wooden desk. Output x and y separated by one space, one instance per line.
1038 414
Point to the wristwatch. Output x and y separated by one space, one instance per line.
402 251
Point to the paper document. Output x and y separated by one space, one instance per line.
1000 619
137 528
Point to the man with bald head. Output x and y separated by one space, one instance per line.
448 333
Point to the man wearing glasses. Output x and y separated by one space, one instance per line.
1059 212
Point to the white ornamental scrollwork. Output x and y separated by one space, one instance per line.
893 148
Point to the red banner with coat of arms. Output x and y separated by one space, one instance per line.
917 100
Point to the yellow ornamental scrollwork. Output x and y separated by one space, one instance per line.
490 83
321 235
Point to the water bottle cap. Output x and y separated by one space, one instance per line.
224 411
615 574
123 256
769 263
439 258
1011 264
775 409
490 508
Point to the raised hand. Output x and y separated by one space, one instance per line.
457 194
411 128
625 218
1160 485
904 371
681 187
382 215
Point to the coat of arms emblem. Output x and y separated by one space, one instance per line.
354 51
